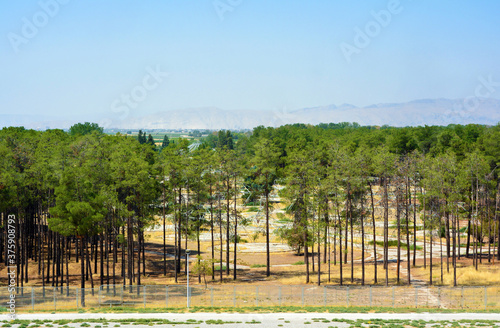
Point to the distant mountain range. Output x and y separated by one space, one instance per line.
413 113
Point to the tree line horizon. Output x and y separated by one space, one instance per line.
86 196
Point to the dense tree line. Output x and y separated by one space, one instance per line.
88 197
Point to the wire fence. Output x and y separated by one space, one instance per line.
176 296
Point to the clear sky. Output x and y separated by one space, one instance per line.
83 57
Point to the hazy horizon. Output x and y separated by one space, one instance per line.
120 59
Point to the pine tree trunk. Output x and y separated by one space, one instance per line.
130 252
220 237
407 213
124 277
212 232
441 247
497 219
424 228
139 257
186 230
268 255
362 241
386 233
398 218
198 249
319 250
164 232
82 272
430 253
448 239
340 247
455 219
235 229
179 233
469 230
143 247
374 237
306 256
351 219
227 225
326 240
101 271
176 258
414 224
49 254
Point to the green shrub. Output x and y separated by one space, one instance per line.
258 266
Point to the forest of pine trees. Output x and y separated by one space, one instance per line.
88 197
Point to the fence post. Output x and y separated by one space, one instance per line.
462 298
166 296
302 295
144 290
55 302
324 295
439 297
370 295
393 288
256 295
212 296
416 296
99 296
348 301
485 297
76 297
279 294
32 298
234 295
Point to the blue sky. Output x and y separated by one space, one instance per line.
84 56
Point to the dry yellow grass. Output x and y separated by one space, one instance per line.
299 277
485 276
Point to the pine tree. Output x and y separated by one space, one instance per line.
266 162
165 142
151 141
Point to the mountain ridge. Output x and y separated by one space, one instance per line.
438 111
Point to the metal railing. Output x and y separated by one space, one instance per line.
171 296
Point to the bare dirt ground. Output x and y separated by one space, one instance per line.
286 267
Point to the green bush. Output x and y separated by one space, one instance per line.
258 266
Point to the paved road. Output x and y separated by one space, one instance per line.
262 320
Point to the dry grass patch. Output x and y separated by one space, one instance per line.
486 275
